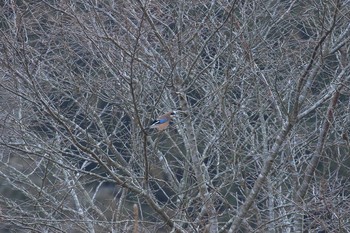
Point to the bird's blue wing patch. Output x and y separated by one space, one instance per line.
161 121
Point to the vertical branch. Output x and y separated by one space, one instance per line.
319 148
310 169
200 169
243 211
136 218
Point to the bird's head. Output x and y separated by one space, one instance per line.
173 114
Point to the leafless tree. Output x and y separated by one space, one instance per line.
260 143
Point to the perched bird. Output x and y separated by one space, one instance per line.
163 121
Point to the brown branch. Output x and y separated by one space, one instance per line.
319 149
136 218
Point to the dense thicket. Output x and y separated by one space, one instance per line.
260 143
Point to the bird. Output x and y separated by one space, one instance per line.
162 122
